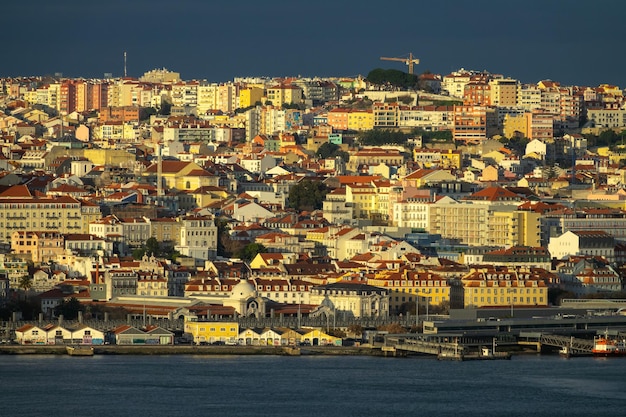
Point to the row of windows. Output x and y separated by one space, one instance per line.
39 206
212 329
527 300
434 300
48 225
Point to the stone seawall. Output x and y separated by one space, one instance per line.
191 350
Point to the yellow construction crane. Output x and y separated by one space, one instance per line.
410 61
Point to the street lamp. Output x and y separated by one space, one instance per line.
417 312
299 311
144 308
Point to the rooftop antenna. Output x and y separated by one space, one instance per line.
124 64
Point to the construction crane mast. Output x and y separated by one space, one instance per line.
410 61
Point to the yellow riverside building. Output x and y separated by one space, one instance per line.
212 331
405 286
503 287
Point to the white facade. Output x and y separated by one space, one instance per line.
258 165
538 147
609 118
251 212
569 243
426 117
529 97
413 213
198 238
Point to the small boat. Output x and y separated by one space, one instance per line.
291 350
606 346
79 350
566 352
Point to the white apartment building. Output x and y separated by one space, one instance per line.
198 238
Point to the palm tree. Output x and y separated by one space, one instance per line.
26 283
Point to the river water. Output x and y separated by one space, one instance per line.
188 385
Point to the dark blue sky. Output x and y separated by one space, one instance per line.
574 42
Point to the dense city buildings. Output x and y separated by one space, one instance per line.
322 197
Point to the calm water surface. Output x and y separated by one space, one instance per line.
309 386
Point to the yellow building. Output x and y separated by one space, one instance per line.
212 331
110 157
613 90
405 286
314 143
515 126
196 179
503 92
421 177
360 120
363 199
166 230
380 203
375 156
504 287
42 246
89 212
284 94
510 227
342 118
180 175
206 195
443 158
317 337
250 96
20 211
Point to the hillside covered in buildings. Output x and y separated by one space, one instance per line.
315 196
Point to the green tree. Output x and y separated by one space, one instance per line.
69 309
378 137
307 195
251 250
222 236
433 136
608 138
392 77
355 330
555 295
393 328
152 246
226 246
138 253
336 332
30 307
516 144
97 311
326 150
291 106
331 150
146 112
26 282
165 109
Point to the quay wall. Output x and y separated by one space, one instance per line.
190 350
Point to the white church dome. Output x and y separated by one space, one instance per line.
243 290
